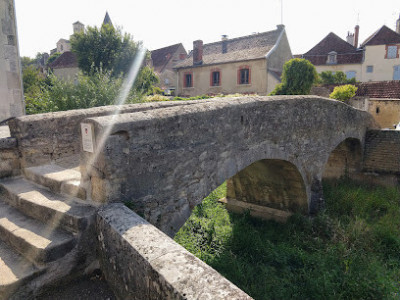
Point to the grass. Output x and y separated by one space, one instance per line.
349 251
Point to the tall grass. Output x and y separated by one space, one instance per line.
349 251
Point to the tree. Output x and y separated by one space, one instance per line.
297 78
106 48
343 92
329 77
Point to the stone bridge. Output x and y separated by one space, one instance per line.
63 188
275 150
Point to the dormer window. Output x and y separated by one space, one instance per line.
332 58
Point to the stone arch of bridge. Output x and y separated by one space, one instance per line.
271 183
345 160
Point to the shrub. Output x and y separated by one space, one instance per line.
329 77
343 92
297 78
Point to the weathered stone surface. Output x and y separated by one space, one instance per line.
140 262
165 161
9 157
46 138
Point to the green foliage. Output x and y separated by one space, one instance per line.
297 78
106 47
53 57
350 251
97 89
32 79
27 61
145 81
329 77
343 92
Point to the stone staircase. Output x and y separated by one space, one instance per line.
46 229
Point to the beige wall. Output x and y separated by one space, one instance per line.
276 59
382 68
11 97
385 111
229 85
66 74
344 68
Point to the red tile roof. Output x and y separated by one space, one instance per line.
373 89
66 60
383 36
346 53
379 89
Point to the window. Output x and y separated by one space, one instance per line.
391 52
370 69
215 78
332 58
244 75
188 80
350 74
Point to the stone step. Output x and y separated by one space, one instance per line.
57 179
37 242
15 271
39 203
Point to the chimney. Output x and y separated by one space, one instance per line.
356 32
224 39
350 38
197 52
398 25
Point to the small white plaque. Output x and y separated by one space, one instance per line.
87 137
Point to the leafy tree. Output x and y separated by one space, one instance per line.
343 92
145 81
329 77
27 61
297 78
32 79
105 48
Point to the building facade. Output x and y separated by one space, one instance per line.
376 59
249 64
163 61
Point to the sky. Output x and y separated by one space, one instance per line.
160 23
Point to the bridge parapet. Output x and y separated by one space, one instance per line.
165 161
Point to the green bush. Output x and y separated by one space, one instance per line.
329 77
343 92
297 78
97 89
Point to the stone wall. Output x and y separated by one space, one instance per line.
11 97
9 157
140 262
385 111
46 138
382 152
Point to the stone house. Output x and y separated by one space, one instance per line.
376 59
249 64
163 61
65 67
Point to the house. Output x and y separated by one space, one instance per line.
65 67
163 61
249 64
381 55
376 59
334 54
